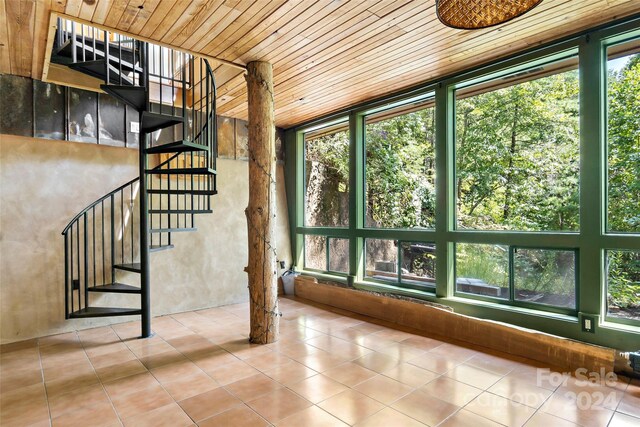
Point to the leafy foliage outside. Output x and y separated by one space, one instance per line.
400 171
624 147
517 156
624 283
327 180
623 193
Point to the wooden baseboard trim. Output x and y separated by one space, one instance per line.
559 352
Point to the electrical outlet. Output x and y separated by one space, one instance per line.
588 323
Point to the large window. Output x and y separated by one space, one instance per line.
623 179
517 151
400 166
508 192
623 137
327 177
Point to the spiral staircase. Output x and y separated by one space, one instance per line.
107 245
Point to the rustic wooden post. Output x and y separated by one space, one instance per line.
261 212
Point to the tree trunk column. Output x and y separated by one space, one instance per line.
262 271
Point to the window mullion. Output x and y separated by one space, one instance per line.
445 119
592 129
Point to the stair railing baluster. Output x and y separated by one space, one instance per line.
131 219
122 227
93 37
173 84
191 182
184 96
106 54
161 72
192 77
133 61
71 266
142 56
59 33
78 263
66 271
86 261
113 238
207 133
213 149
74 54
84 50
119 60
93 242
150 198
202 109
104 281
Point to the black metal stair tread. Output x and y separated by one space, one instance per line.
157 248
179 211
155 121
187 192
119 288
135 96
172 230
176 147
104 312
182 171
134 267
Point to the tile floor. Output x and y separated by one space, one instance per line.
327 370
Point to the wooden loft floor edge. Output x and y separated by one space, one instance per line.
563 353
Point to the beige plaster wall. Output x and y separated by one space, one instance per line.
44 183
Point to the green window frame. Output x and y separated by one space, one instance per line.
590 244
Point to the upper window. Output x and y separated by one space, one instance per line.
400 166
326 183
623 137
517 151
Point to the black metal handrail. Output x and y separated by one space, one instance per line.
101 199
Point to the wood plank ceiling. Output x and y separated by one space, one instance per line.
327 54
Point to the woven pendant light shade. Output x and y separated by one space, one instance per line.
475 14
